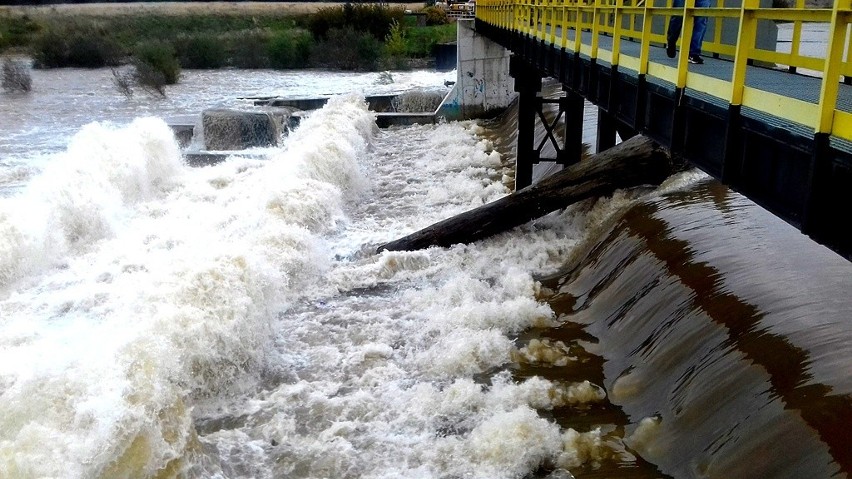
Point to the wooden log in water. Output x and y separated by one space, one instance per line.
637 161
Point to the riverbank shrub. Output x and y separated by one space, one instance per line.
200 51
270 40
58 47
248 48
348 49
155 58
290 49
436 16
17 31
16 76
420 41
139 76
372 18
395 48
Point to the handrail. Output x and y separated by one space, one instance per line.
579 26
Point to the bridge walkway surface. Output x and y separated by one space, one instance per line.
747 116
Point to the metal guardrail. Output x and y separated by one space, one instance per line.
464 12
558 22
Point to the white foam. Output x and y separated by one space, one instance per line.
243 301
512 443
580 448
83 194
168 297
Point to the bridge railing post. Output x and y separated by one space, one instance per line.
832 66
732 160
816 217
686 34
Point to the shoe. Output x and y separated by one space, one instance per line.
696 59
671 51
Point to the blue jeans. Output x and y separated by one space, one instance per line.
699 26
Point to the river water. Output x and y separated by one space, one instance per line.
234 321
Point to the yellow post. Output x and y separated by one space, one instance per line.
717 24
685 36
745 41
596 28
616 31
797 32
578 29
552 23
564 24
646 39
831 71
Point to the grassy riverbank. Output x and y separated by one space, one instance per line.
214 35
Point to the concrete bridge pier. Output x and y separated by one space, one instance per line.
483 86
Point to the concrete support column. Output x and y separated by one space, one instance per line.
483 85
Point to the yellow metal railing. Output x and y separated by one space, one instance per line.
580 25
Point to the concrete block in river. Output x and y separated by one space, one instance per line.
183 134
183 127
238 130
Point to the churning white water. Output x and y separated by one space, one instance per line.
158 320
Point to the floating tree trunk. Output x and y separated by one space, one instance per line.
637 161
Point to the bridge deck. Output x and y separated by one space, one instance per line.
783 139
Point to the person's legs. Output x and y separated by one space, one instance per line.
673 32
698 29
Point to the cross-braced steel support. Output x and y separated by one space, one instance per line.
561 127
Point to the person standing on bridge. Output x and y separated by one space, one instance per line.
699 26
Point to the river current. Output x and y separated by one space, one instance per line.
234 321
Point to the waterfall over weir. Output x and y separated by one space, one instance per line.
722 336
725 337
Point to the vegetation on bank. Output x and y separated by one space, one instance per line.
15 76
349 37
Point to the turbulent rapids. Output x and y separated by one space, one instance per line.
234 321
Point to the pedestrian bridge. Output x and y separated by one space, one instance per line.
773 120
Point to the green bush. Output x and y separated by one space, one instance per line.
436 16
347 49
420 42
17 30
372 18
49 50
16 76
324 20
200 51
148 78
161 57
248 49
395 49
92 51
351 36
395 40
56 48
290 49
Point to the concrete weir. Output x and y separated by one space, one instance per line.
483 88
